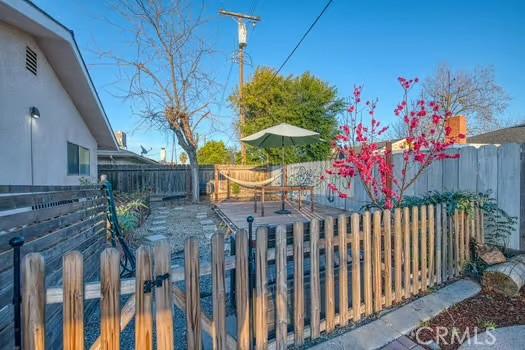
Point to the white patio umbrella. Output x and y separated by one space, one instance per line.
282 135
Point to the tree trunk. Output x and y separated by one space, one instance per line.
506 278
194 166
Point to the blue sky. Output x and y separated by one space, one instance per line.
355 42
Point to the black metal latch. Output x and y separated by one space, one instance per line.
157 282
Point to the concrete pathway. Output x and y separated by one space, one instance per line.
506 338
388 331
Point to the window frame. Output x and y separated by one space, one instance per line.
78 160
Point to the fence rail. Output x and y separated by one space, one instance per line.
308 281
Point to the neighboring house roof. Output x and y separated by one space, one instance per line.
513 134
126 155
58 44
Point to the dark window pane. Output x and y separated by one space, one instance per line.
72 159
84 160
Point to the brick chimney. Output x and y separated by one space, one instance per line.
121 139
163 155
458 126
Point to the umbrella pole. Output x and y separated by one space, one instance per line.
282 182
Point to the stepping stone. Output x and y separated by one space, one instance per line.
156 229
207 222
155 238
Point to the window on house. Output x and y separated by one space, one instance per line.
77 160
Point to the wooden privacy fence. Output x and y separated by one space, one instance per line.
53 220
338 271
161 179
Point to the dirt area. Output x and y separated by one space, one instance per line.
485 310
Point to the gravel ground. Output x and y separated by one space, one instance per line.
485 310
183 221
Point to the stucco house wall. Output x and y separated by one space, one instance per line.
60 121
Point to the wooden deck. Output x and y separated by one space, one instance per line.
237 212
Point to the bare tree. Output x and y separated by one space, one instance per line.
167 82
474 94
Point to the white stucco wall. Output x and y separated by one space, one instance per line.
59 123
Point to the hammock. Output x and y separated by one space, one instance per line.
249 184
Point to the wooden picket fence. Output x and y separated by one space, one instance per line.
344 270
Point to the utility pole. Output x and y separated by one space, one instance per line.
243 42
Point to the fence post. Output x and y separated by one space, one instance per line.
281 290
251 273
261 326
16 243
219 313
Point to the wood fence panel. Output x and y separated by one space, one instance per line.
298 243
193 306
343 270
110 299
261 324
143 300
367 263
329 273
356 268
281 292
406 252
446 241
218 292
398 253
315 286
73 305
387 227
33 302
509 186
376 262
424 248
461 224
241 289
163 299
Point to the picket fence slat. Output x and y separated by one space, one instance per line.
376 262
387 254
73 306
33 305
281 293
398 246
367 275
261 325
110 299
415 250
298 237
329 274
356 268
218 292
241 289
315 287
163 299
193 306
143 317
423 241
343 270
406 252
431 245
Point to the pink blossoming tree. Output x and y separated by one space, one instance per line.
359 155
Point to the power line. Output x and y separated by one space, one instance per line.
303 37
